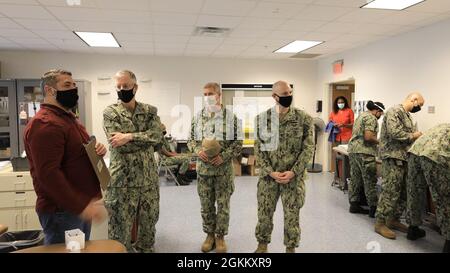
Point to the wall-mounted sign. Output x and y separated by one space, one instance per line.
338 67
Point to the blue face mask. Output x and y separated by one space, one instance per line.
341 105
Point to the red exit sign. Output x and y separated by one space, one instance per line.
338 67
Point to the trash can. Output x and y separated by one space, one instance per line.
16 240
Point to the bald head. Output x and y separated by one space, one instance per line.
282 94
414 101
281 88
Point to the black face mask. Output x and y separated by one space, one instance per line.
67 98
285 101
416 109
126 95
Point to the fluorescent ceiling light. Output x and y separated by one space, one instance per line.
98 39
297 46
391 4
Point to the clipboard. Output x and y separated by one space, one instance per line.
98 163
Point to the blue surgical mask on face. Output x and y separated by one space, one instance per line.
341 105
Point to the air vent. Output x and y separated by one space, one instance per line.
304 56
211 31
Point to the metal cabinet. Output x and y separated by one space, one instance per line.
8 120
19 102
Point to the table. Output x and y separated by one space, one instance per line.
341 179
95 246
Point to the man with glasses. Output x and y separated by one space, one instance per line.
134 133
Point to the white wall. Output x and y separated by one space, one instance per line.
388 70
190 73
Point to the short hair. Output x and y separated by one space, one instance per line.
50 78
128 73
213 85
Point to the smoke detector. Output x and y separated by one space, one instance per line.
211 31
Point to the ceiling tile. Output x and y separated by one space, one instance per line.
62 3
168 46
55 34
142 5
261 23
29 12
322 13
20 2
174 39
108 27
302 25
108 50
249 33
206 47
29 41
127 44
320 36
106 15
283 34
277 10
34 24
17 33
206 40
138 51
229 7
437 6
173 30
373 29
176 19
133 37
341 3
191 6
335 27
239 41
365 16
432 20
355 38
406 18
197 53
218 21
228 47
8 23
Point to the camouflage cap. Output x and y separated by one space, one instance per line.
211 147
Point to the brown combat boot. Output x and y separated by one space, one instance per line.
221 247
290 249
397 225
262 248
209 243
384 231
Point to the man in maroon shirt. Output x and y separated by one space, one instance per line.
67 188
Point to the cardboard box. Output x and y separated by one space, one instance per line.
237 167
249 160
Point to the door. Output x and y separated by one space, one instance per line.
8 120
347 91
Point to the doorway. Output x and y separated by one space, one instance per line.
345 89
